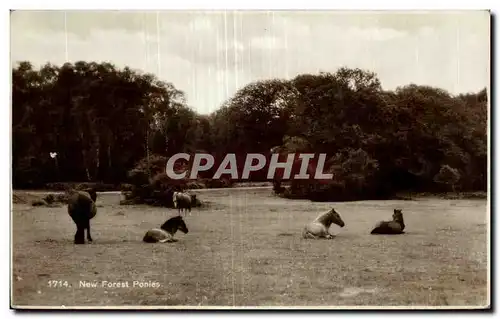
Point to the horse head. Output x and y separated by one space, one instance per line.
334 217
397 216
177 223
182 225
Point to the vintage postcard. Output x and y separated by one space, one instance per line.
250 159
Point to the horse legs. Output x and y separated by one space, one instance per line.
185 212
89 238
80 234
307 235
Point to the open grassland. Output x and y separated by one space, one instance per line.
245 249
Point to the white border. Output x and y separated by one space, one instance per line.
256 5
183 4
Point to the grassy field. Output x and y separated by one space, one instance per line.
245 249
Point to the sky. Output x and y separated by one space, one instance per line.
211 54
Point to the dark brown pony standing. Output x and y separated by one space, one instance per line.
82 208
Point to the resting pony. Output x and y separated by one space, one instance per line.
82 208
393 227
183 201
166 232
318 228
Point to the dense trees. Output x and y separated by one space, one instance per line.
98 119
102 121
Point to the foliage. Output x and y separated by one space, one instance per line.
109 126
98 119
448 176
157 189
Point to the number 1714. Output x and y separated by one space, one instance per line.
58 283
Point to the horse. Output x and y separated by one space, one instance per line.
183 201
318 228
393 227
166 232
82 208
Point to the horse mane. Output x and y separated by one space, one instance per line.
325 218
173 220
170 226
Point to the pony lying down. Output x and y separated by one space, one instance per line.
319 227
393 227
165 234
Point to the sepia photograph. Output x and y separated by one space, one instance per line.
250 159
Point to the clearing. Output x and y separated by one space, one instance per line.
245 249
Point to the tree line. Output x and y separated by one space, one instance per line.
102 121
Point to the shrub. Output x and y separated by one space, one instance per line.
354 177
218 183
156 190
49 199
38 202
447 177
97 186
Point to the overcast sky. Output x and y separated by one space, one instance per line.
209 55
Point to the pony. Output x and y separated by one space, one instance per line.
318 228
393 227
81 209
166 232
183 201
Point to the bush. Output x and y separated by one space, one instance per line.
138 177
38 202
97 186
195 185
157 190
218 183
49 199
277 188
354 177
447 177
126 187
61 198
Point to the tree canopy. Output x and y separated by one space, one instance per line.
101 121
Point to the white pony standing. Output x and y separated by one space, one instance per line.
182 201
